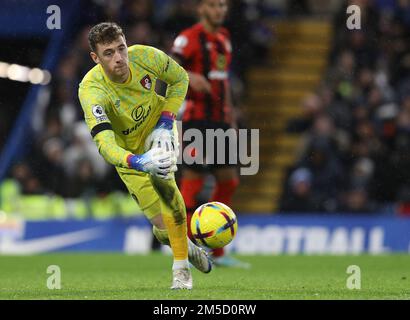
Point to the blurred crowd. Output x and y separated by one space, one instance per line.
64 160
355 154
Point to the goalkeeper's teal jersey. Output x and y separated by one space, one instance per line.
121 115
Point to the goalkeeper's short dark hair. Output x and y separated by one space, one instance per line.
105 32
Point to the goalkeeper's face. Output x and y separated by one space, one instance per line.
214 11
113 57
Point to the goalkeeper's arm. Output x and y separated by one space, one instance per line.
169 71
156 161
93 102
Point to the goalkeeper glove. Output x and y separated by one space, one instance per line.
157 161
163 133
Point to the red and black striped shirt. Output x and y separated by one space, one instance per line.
210 55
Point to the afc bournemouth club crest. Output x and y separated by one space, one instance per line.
146 82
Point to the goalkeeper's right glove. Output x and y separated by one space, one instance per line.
157 161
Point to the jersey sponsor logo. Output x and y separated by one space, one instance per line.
221 62
139 114
99 113
117 103
146 82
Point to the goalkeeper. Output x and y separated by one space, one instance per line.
134 130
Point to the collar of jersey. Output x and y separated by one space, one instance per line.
116 83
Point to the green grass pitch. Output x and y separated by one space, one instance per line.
117 276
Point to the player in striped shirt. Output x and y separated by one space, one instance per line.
205 51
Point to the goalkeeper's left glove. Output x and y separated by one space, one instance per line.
157 162
163 133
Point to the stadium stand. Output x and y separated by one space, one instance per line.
354 151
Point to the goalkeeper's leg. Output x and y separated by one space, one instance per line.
175 231
174 218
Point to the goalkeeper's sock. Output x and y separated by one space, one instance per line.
174 215
196 256
178 238
180 264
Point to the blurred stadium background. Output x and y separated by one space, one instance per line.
332 106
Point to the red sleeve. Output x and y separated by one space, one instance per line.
184 46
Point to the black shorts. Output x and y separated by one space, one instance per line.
224 150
